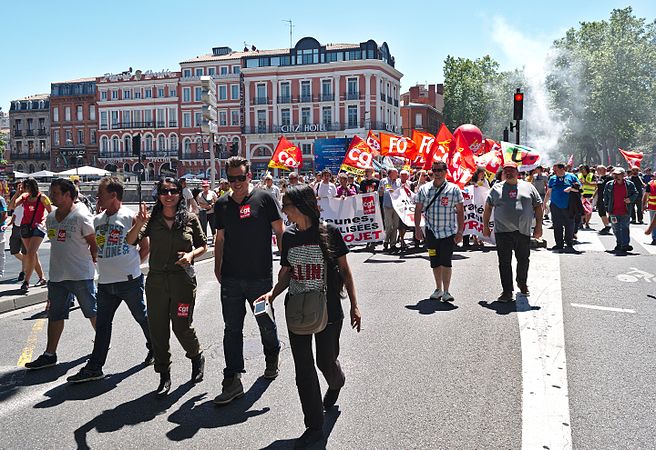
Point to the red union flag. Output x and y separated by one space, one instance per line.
373 142
423 143
441 147
359 157
633 158
492 161
393 145
287 156
461 165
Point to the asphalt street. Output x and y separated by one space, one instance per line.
421 374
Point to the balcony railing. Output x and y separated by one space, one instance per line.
39 156
145 124
299 128
305 98
18 133
41 131
194 155
396 102
158 153
389 99
354 95
173 124
327 97
284 99
261 100
384 126
115 155
29 132
382 96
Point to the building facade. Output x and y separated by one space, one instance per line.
73 124
29 144
143 106
421 108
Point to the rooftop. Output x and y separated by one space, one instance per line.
79 80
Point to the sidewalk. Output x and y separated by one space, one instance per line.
11 298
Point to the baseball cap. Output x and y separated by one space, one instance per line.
618 171
510 164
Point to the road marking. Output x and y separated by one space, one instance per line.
637 233
603 308
589 241
26 356
635 275
545 400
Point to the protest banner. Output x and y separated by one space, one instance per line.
404 206
474 205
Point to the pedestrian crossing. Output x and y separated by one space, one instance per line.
592 241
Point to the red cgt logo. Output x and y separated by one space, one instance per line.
183 309
368 204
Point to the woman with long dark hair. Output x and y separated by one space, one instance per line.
176 239
307 245
36 207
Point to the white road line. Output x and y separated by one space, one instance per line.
603 308
545 400
637 233
589 242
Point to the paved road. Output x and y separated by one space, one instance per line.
475 374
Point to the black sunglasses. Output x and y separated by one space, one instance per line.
233 178
438 170
172 191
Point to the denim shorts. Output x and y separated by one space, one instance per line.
60 295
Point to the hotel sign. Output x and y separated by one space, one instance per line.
305 128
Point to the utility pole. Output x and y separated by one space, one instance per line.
290 31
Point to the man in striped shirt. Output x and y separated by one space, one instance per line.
443 206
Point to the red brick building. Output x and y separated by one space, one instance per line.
421 108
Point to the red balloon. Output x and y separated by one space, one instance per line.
473 137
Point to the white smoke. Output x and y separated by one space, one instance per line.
541 126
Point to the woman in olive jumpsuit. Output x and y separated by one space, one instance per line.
175 240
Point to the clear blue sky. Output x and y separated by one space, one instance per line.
45 41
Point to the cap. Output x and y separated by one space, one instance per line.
510 164
618 171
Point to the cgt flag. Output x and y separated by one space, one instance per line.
373 142
359 157
633 158
441 147
460 165
287 156
401 146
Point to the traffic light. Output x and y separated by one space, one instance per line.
506 136
136 145
518 110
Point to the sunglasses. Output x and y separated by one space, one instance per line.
234 178
171 191
438 170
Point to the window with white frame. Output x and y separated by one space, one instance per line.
116 147
199 71
69 138
306 116
173 117
148 143
172 92
114 94
148 93
103 120
186 94
67 114
285 117
234 117
137 93
223 92
224 70
161 142
186 73
104 144
148 117
127 118
80 137
261 120
306 149
198 94
352 116
136 117
55 114
80 113
198 119
186 120
92 112
93 136
173 143
223 118
159 117
236 70
114 119
326 115
234 88
418 119
103 95
306 91
186 146
55 137
127 94
211 71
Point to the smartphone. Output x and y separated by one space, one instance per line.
259 307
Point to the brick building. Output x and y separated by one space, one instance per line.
73 124
29 142
421 108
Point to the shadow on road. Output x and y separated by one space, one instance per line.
50 374
328 424
191 417
9 292
520 305
85 391
430 306
139 410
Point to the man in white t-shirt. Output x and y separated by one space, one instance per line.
72 265
16 246
326 189
272 189
186 194
3 226
119 275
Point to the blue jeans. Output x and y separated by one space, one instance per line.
620 226
234 294
651 217
110 297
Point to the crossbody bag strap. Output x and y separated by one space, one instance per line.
437 194
36 206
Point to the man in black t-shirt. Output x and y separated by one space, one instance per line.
243 264
602 179
369 183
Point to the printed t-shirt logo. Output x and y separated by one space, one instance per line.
444 201
183 309
51 233
61 235
244 211
100 240
114 236
512 194
368 204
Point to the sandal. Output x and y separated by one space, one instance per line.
41 282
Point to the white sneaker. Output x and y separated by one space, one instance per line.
447 297
437 295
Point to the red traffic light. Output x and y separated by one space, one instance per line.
519 97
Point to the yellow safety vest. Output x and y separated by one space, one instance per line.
651 198
587 183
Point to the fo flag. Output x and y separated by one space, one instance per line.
460 165
633 158
373 142
359 157
287 156
440 148
393 145
424 143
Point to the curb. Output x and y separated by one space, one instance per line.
22 301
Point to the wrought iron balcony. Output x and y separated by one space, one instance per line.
29 132
18 133
41 131
261 100
327 97
39 156
194 155
389 99
160 153
284 99
384 126
305 98
115 155
354 95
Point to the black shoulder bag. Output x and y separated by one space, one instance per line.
26 229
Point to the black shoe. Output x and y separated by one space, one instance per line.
21 276
24 287
627 248
653 242
42 362
85 374
150 358
605 231
523 288
310 437
556 248
330 398
197 368
164 384
505 297
272 368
